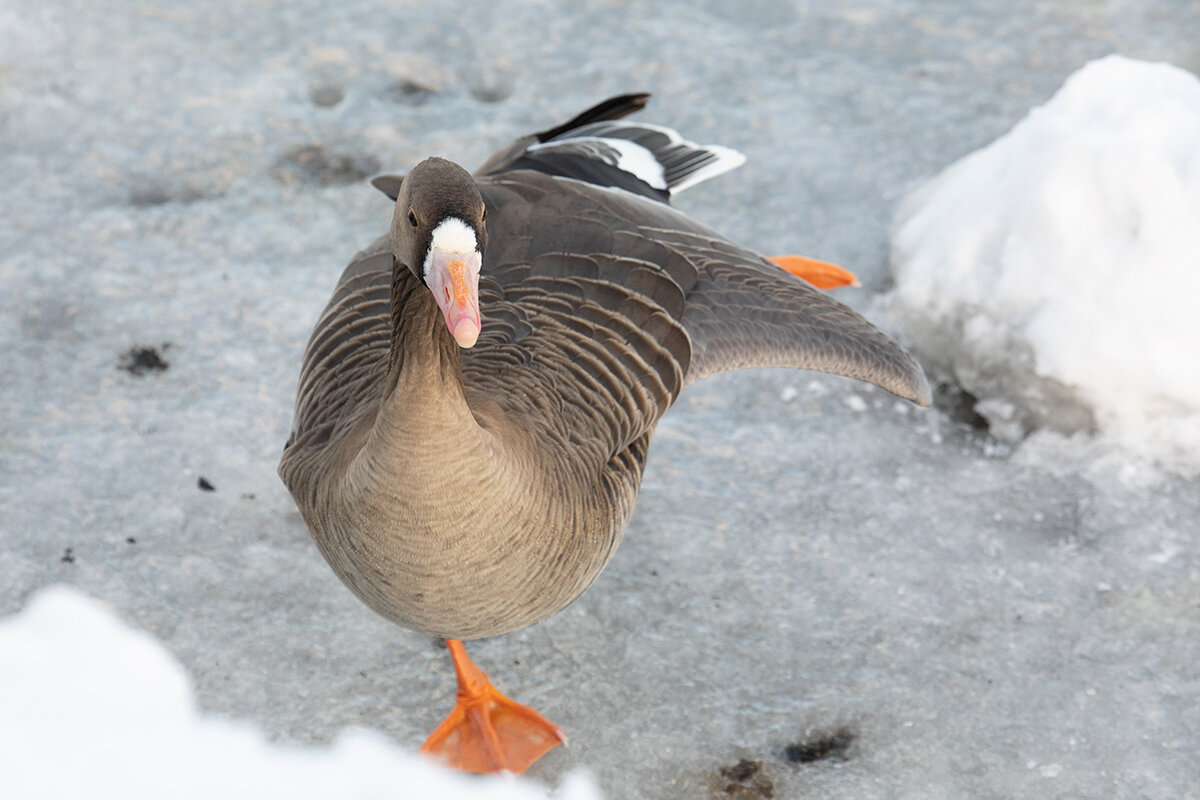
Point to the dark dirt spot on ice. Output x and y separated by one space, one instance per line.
490 86
410 92
745 780
324 94
158 191
150 194
130 540
959 404
139 360
68 556
204 485
314 164
820 747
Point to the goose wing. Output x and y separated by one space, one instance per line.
600 307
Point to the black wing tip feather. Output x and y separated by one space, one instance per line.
613 108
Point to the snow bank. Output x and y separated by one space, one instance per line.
1055 274
91 708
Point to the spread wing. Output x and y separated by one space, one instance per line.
599 307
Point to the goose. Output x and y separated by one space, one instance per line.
476 402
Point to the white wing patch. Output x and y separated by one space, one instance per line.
726 159
623 154
657 156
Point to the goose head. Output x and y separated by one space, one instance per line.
438 234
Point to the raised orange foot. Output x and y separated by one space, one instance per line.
820 274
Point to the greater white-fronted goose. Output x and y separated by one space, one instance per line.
477 399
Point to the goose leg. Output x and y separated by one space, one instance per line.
486 731
820 274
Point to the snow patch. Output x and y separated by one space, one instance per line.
92 708
1054 273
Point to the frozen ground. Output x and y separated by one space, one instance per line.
811 561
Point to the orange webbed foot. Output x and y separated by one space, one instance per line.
820 274
486 731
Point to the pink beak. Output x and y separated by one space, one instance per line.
454 280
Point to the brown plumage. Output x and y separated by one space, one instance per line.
470 492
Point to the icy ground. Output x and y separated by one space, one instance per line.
863 599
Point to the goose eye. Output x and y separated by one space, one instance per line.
412 218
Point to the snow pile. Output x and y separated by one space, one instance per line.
91 708
1055 274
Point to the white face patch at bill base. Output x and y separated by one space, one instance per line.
451 235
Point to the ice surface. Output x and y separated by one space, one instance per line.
809 557
92 708
1054 273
